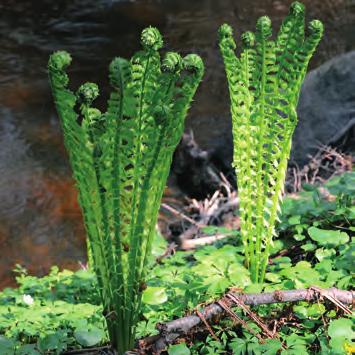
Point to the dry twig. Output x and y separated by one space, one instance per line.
171 331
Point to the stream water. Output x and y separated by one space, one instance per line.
40 221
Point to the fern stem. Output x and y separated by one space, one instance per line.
119 294
135 238
260 188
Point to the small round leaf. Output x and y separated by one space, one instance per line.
89 337
154 295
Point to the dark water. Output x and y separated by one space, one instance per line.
40 222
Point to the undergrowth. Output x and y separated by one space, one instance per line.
62 310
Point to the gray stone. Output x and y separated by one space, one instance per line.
326 108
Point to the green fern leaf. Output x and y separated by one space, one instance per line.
264 84
120 161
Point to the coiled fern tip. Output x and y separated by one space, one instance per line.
172 63
193 63
88 92
248 39
151 38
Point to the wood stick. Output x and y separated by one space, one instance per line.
194 243
180 214
172 330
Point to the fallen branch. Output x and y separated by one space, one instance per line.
96 350
194 243
170 250
239 320
325 164
251 315
171 331
179 214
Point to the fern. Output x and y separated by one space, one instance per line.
264 84
120 161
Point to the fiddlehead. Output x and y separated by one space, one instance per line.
264 84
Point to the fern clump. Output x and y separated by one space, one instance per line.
264 85
120 161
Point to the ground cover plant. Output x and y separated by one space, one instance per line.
120 161
63 310
264 84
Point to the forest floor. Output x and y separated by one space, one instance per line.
197 270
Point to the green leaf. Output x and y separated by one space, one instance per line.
316 310
324 253
297 345
272 277
238 346
7 346
308 246
328 237
271 347
179 349
154 295
159 245
294 220
28 349
298 237
55 341
89 337
341 327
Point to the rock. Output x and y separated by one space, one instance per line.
326 108
192 169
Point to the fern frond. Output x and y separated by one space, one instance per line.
264 84
120 161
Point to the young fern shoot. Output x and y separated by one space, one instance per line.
120 161
264 85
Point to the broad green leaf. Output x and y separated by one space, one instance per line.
179 349
338 346
154 295
89 337
341 327
328 237
272 277
28 349
316 310
7 346
308 247
294 220
299 237
159 245
55 341
324 253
